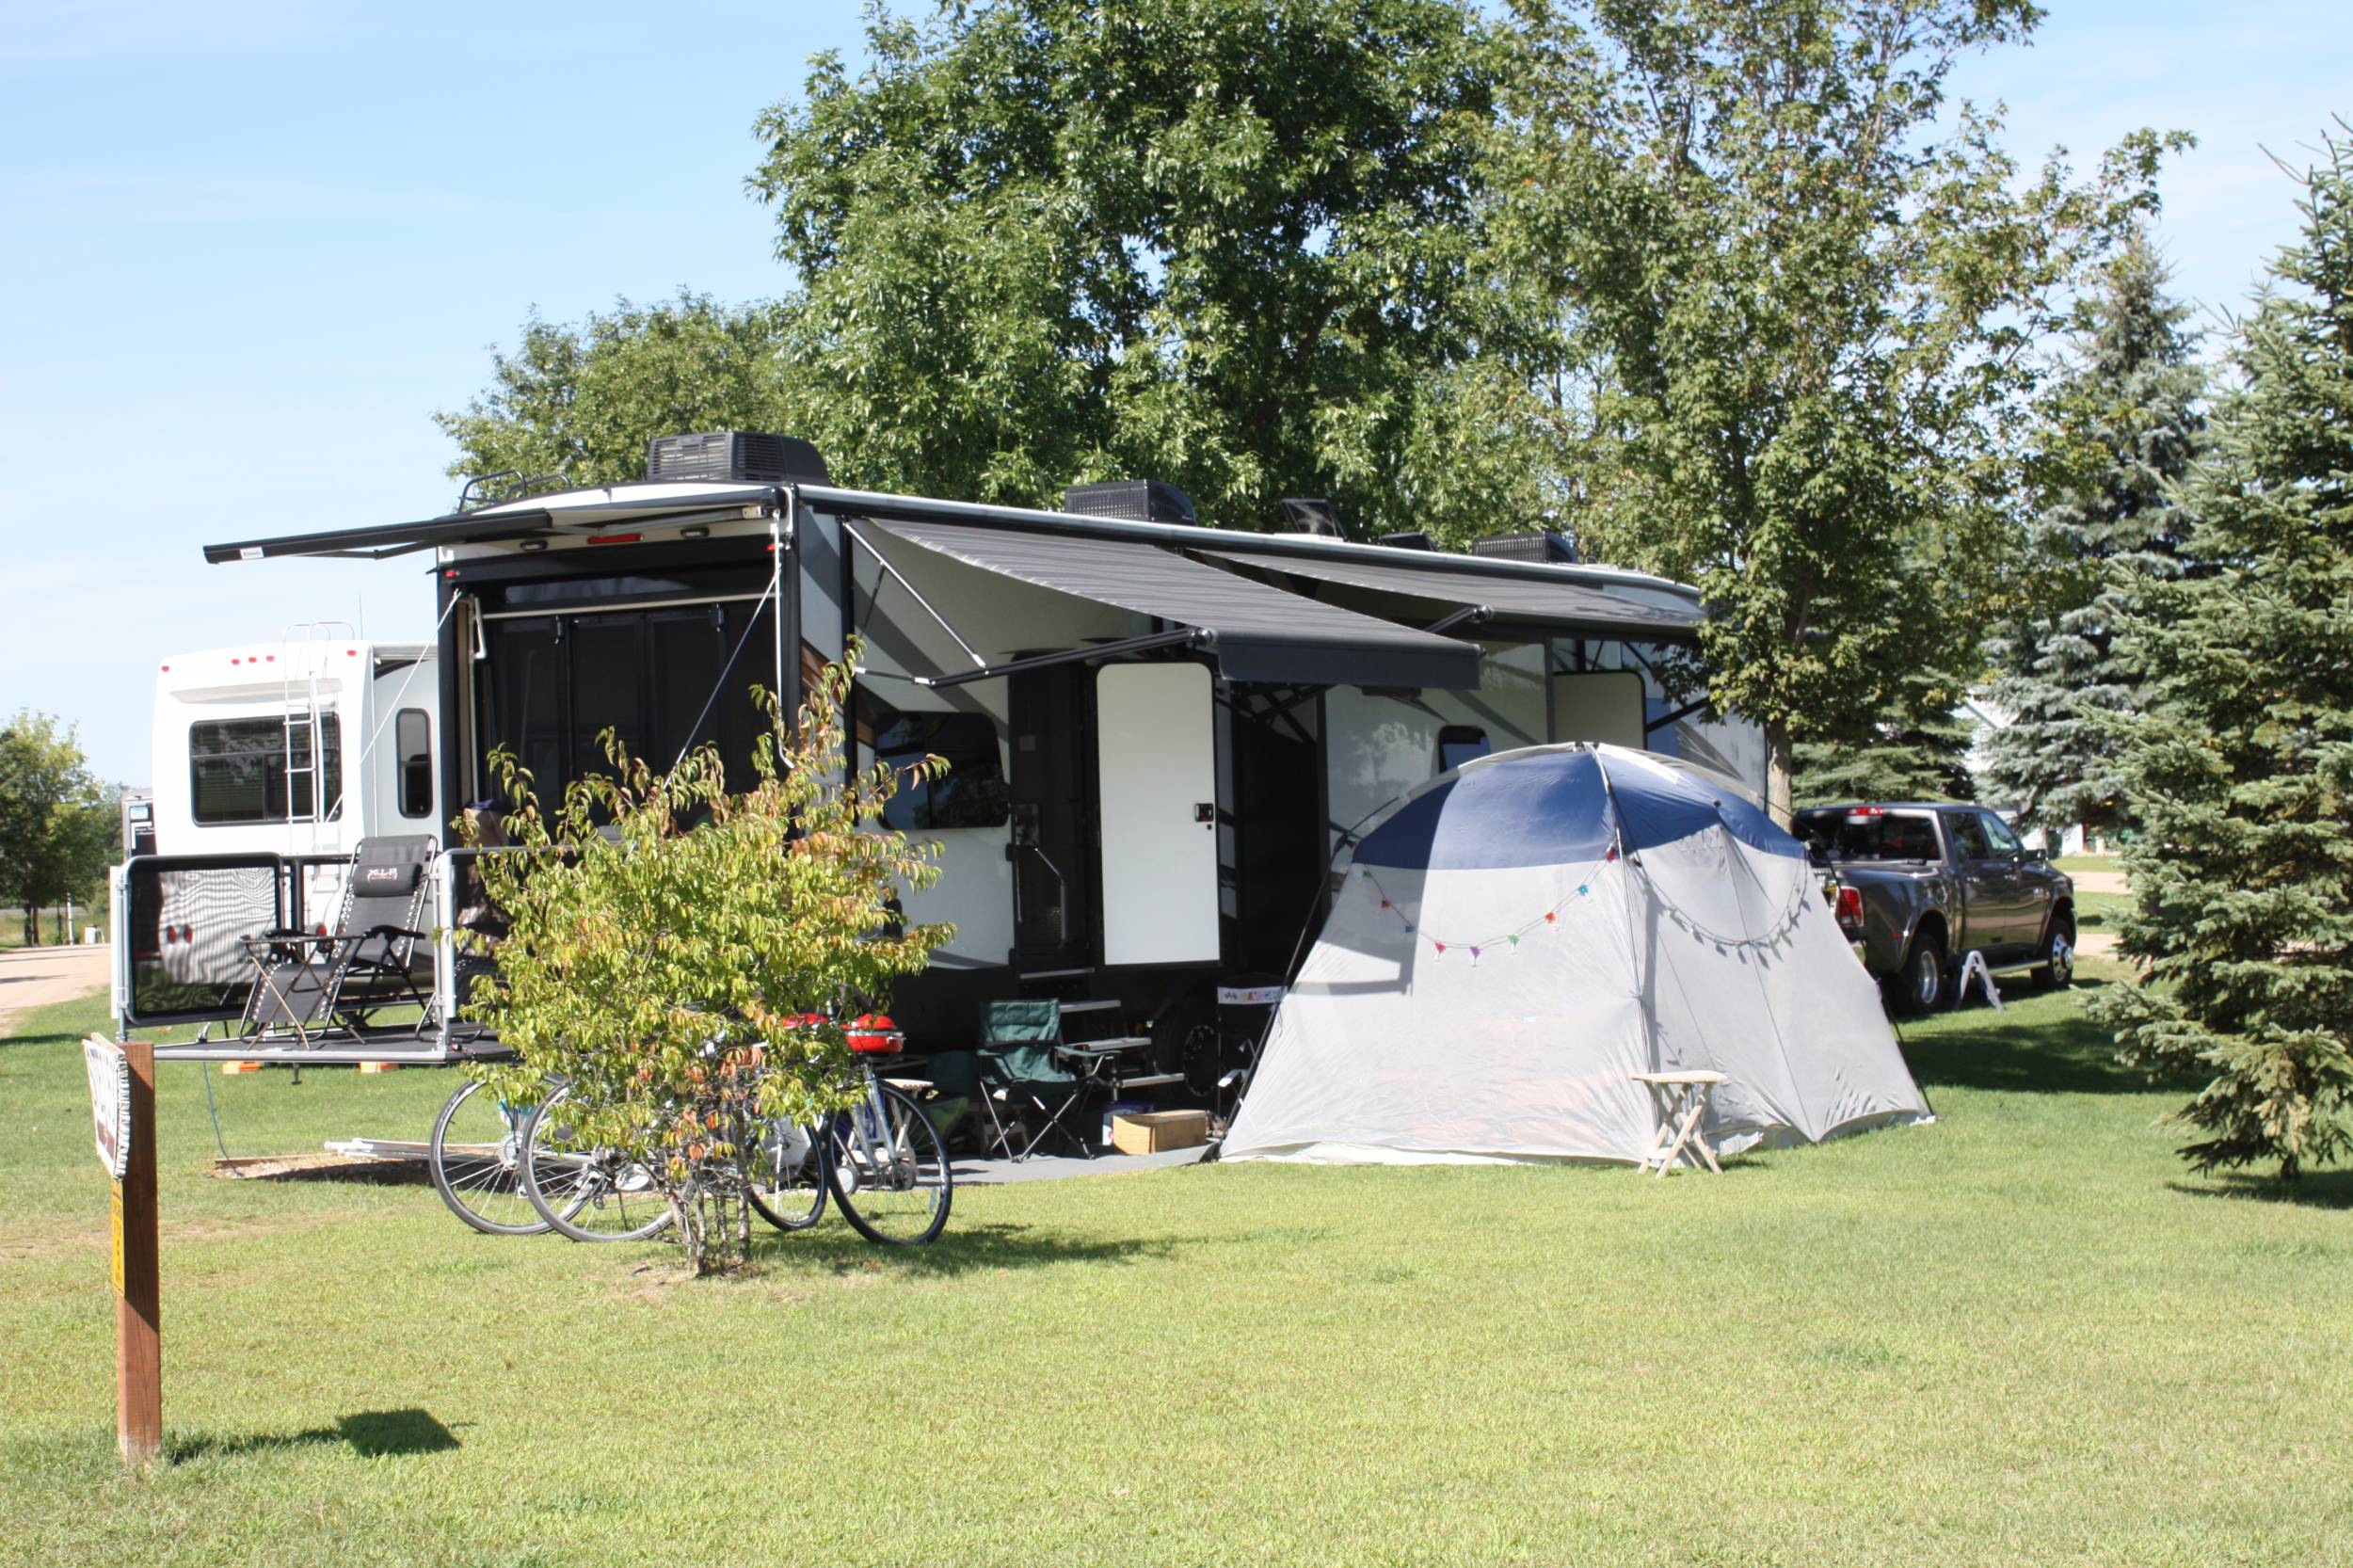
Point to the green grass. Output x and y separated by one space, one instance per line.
2089 863
2020 1335
2099 911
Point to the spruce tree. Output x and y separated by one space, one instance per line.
2241 773
2124 425
1916 748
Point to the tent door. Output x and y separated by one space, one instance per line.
1156 743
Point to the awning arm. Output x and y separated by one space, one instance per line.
1193 635
1677 717
850 528
1475 614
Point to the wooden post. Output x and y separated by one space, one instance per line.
137 1276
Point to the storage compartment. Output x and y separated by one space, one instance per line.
1157 1131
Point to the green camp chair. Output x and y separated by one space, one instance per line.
1022 1073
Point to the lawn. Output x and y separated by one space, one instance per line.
2021 1335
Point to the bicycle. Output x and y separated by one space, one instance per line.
882 1164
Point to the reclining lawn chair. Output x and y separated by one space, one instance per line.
1023 1077
308 982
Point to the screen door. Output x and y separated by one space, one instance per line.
1156 772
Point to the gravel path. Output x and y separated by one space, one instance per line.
35 977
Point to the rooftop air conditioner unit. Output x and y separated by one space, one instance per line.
1548 548
1415 541
738 454
1131 501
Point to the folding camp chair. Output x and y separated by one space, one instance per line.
311 982
1022 1075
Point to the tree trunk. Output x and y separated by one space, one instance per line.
1780 767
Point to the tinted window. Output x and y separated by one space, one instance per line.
412 736
973 792
1969 836
1869 835
239 770
2005 841
1459 744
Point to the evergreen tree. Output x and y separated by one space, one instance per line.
1916 748
2241 773
2125 426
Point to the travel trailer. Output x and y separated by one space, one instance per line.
1161 734
297 748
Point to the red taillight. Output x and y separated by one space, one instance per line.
612 538
1849 906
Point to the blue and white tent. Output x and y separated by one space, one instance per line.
1524 934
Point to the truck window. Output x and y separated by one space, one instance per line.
2005 841
1969 836
1869 834
239 772
1459 744
412 738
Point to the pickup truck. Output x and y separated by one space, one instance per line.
1919 887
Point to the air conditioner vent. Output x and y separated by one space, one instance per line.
755 456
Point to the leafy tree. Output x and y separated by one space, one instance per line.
666 943
582 400
58 821
1226 243
2124 424
1803 307
1915 748
2241 771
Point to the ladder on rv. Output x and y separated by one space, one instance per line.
303 652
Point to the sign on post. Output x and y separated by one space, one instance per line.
122 1109
110 1108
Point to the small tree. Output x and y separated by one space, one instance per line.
57 821
2242 774
669 944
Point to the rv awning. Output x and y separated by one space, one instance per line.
1257 631
1513 597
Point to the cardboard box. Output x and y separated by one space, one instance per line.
1156 1131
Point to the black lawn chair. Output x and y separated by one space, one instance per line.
313 982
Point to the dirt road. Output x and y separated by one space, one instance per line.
35 977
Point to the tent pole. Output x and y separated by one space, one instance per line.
1644 990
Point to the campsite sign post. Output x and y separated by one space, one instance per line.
122 1108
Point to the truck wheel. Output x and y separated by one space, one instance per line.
2058 968
1920 983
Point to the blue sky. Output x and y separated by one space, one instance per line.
248 247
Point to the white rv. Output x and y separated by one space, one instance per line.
297 748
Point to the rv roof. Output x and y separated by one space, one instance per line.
570 512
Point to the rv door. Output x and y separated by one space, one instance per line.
1157 772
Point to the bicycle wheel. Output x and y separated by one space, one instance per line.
587 1192
889 1171
477 1160
787 1171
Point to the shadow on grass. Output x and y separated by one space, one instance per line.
324 1167
2320 1189
369 1433
2043 1044
959 1250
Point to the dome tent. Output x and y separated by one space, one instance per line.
1525 932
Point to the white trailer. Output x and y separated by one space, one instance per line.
299 749
1160 735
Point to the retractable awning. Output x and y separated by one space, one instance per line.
1528 600
1256 632
541 517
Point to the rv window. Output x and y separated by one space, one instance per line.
973 792
239 770
1458 743
412 734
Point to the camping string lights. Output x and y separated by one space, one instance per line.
1508 940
